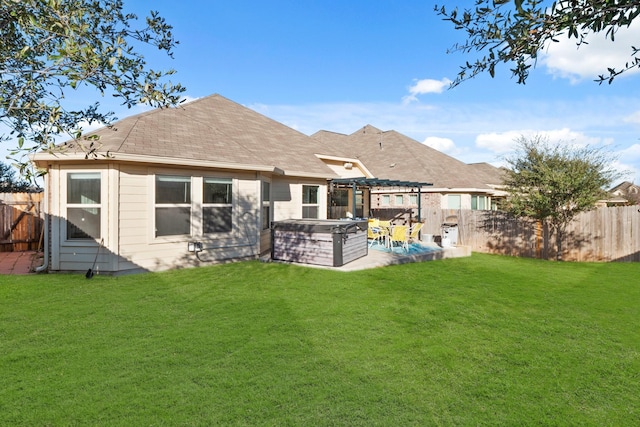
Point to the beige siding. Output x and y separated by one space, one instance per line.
134 222
140 249
128 220
340 168
287 196
283 200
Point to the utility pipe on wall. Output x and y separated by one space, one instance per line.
45 242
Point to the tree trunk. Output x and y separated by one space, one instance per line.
559 237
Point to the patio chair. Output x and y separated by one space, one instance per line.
375 234
415 230
385 224
400 236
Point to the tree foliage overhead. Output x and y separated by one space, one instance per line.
9 183
49 48
514 32
554 183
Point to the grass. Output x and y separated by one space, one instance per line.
485 340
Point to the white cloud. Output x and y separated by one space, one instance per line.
499 143
444 145
89 126
631 153
567 135
628 163
504 142
421 87
566 60
187 99
633 117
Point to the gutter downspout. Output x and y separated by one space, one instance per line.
45 241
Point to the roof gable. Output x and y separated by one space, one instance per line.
213 129
392 155
623 187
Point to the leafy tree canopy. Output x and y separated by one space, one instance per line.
554 183
9 183
51 47
513 32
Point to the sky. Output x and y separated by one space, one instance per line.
340 65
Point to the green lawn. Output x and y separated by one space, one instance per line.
485 340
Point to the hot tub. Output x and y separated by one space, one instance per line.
320 242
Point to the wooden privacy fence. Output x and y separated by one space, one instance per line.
20 222
603 234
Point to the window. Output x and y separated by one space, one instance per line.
413 199
479 203
83 205
266 205
385 200
339 204
453 201
217 205
173 205
399 200
310 205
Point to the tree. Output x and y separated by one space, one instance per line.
513 32
51 47
554 183
9 183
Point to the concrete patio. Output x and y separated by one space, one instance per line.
12 263
376 258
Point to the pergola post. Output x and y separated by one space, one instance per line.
419 204
354 199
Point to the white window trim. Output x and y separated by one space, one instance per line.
201 205
309 205
103 205
266 203
450 196
487 202
154 205
197 225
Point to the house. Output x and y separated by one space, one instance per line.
392 155
177 187
625 193
210 174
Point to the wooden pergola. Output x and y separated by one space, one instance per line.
368 183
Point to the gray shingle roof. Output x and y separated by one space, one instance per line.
488 173
214 129
392 155
623 187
